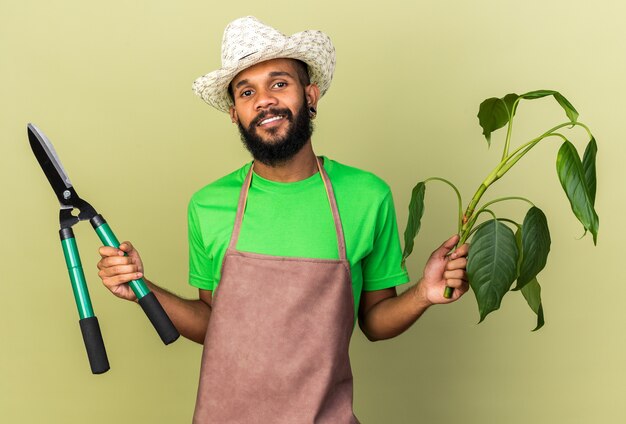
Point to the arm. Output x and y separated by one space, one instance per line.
383 314
189 316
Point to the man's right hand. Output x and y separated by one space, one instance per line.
116 270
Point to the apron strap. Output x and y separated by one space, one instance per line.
341 241
243 197
241 206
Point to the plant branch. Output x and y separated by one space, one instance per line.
545 134
501 199
513 160
510 221
506 164
469 231
509 129
458 196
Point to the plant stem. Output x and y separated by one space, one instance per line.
501 199
550 131
458 196
449 291
507 163
513 160
509 129
510 221
467 234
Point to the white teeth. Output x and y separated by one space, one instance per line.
272 119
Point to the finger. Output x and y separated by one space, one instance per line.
117 270
458 274
458 292
458 284
465 286
106 251
461 289
461 251
460 263
126 246
447 245
117 280
455 284
110 261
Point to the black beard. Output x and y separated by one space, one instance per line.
278 151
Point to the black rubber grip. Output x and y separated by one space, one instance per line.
66 233
97 221
95 346
159 319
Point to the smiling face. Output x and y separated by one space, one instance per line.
272 110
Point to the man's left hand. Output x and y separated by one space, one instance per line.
444 269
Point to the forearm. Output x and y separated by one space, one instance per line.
189 316
393 316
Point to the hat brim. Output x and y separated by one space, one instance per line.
311 47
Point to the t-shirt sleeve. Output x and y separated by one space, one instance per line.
200 263
382 268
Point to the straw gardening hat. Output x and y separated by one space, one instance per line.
247 41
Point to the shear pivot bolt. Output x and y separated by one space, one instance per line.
67 194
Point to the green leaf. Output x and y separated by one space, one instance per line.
589 166
509 101
537 94
569 109
416 211
535 245
494 113
574 183
492 265
532 294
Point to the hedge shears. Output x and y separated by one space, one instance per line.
70 201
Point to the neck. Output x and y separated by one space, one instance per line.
300 167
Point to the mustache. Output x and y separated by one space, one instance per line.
273 111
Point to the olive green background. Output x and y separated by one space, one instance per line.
110 84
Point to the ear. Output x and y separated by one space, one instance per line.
233 114
312 94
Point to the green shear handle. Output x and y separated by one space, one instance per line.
89 326
148 301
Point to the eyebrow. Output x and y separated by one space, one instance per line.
271 74
279 74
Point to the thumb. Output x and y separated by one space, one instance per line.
446 247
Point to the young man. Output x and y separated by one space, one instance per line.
287 251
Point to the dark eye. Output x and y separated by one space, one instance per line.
246 93
281 84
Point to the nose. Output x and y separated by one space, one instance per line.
265 99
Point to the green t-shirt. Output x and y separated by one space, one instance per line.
295 219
